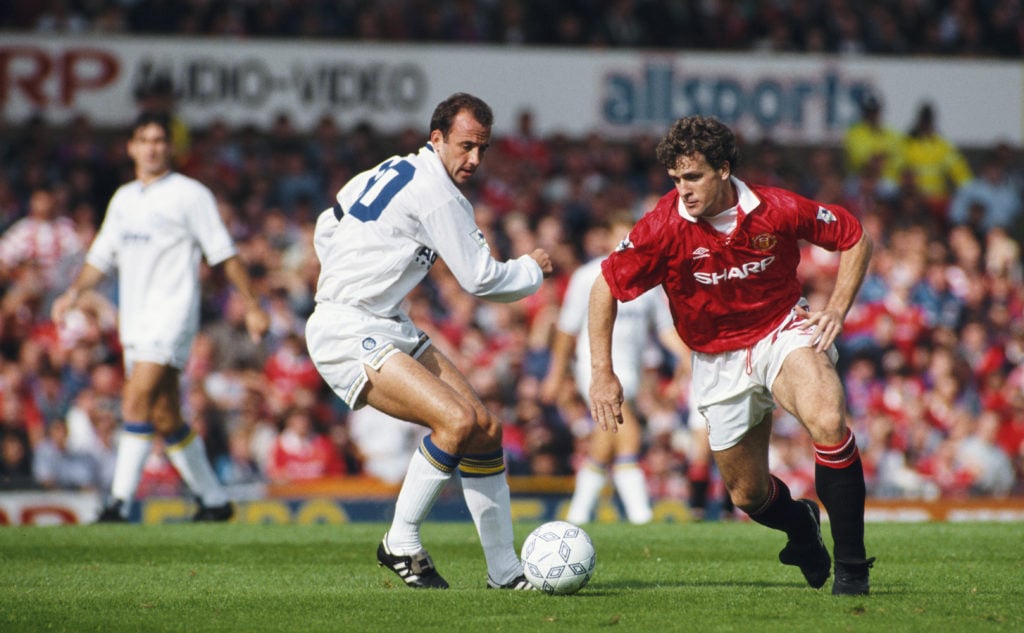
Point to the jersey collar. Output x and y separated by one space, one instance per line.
747 201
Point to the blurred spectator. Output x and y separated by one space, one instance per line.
237 467
233 347
54 465
870 144
15 460
384 444
990 468
301 452
936 165
44 241
990 200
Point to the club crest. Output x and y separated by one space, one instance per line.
764 242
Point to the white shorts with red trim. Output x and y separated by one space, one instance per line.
732 390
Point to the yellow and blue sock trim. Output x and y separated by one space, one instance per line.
179 439
144 430
484 465
445 462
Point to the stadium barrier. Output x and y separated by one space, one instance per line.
357 499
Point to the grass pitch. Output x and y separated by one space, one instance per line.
663 577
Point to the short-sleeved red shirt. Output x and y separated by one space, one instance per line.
727 291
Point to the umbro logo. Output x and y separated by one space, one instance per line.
701 253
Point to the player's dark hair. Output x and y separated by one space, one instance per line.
148 117
694 135
444 113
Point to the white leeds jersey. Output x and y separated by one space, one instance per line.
635 324
154 236
399 217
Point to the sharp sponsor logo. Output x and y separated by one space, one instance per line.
734 272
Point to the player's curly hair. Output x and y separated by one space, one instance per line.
444 113
694 135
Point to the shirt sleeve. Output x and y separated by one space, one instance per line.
102 253
830 226
208 227
638 264
462 246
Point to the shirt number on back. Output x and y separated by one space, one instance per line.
382 187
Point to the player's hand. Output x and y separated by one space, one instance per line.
543 260
829 323
606 400
62 305
257 322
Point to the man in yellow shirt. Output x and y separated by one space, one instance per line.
868 139
937 166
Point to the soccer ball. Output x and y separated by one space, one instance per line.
558 558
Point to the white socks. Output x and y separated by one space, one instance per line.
424 481
187 453
632 488
490 505
590 480
630 484
133 447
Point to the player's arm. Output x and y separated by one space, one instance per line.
670 340
853 265
462 246
88 278
256 320
605 389
562 344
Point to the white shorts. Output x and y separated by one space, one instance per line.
160 352
342 341
732 390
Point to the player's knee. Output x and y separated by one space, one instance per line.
489 425
828 427
463 424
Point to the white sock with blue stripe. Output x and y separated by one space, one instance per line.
429 470
133 446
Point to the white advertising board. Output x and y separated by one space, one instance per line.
790 98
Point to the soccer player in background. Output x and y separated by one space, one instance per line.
636 322
375 245
155 231
726 254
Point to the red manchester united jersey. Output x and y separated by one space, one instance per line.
727 291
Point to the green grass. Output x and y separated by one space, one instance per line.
664 577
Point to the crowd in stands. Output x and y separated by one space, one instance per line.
932 354
990 28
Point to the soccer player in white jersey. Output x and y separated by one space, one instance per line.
155 232
636 324
379 241
726 254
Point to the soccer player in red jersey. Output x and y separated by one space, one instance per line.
726 254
